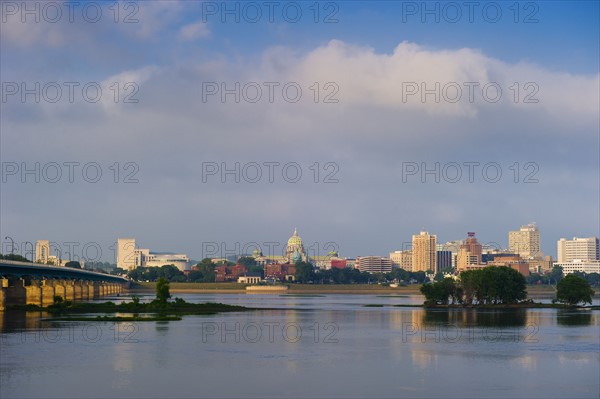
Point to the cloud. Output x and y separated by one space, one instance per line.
194 31
368 133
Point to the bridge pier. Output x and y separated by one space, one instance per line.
69 290
33 293
3 293
77 290
95 290
59 289
48 292
14 292
85 290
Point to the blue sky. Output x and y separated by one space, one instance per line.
371 56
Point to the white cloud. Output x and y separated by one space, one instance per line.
194 31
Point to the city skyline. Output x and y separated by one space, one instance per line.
218 249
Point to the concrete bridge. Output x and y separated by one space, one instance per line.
24 283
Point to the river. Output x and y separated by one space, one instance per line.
325 346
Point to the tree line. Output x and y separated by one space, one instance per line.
500 285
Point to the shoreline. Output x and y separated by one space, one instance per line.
342 289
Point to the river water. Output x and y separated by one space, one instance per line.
325 346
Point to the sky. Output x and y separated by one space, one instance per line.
210 128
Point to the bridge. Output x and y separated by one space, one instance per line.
24 283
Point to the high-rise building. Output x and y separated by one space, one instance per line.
424 252
469 253
42 251
374 264
444 260
578 248
126 253
525 242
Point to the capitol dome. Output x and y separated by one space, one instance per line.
295 240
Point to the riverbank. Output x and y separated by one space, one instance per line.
538 291
235 288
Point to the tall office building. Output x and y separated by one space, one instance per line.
42 251
424 254
578 248
126 253
444 260
525 242
469 253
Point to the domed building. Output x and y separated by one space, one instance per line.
294 251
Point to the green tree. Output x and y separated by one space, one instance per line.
573 289
247 261
555 275
15 257
162 290
73 264
207 269
305 272
440 292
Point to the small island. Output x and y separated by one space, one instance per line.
501 287
160 309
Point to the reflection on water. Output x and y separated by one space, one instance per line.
478 317
330 346
574 317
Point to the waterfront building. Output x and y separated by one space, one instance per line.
280 271
250 278
577 248
229 273
374 264
130 257
579 265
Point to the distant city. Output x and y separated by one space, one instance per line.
425 254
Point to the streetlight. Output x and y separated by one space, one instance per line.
27 242
12 245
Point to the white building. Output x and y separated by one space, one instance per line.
578 248
159 259
126 253
129 257
578 265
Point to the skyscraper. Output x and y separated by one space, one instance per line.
525 242
424 256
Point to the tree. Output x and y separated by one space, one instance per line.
207 269
162 290
304 272
492 285
15 257
73 264
573 289
247 261
556 274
